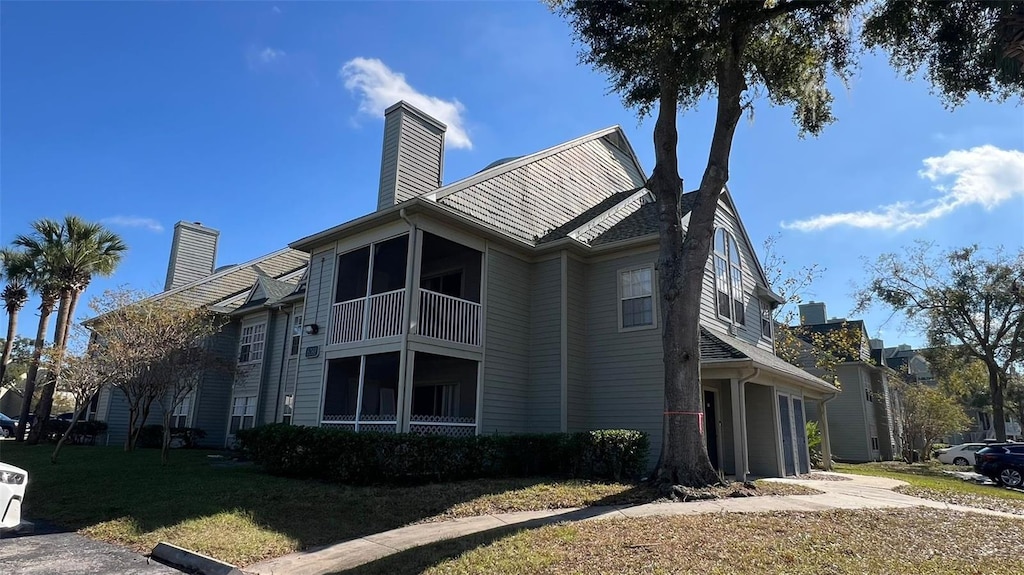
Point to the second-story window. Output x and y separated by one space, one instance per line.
728 278
636 298
296 333
250 347
766 320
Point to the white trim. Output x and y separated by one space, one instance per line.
258 329
653 295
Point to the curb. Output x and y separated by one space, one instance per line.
191 561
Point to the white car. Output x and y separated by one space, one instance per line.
962 454
13 481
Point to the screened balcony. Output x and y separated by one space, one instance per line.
370 294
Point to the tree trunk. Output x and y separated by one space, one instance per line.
995 387
165 441
12 331
681 263
45 309
45 404
67 432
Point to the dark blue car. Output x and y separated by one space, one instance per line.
1002 463
7 426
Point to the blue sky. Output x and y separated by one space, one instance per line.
239 115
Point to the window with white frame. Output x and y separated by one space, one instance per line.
296 333
250 348
243 413
179 418
636 298
289 407
766 319
728 278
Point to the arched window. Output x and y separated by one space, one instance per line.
728 277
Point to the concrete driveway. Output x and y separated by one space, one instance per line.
49 551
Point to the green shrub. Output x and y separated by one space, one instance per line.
85 431
814 443
347 457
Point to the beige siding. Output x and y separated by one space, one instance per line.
577 345
534 199
545 346
624 369
506 363
310 371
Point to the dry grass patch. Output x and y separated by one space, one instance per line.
987 501
925 541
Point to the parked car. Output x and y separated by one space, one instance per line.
12 492
962 454
7 426
1002 463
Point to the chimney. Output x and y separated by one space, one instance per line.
412 161
193 254
876 344
812 313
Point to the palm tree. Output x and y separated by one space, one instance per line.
82 250
15 266
43 249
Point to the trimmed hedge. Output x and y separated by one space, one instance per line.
366 458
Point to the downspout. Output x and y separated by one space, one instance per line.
745 464
284 359
404 383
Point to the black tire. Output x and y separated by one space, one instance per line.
4 432
961 462
1011 477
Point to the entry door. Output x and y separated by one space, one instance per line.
786 425
800 429
711 427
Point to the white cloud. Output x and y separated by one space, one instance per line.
379 87
268 55
985 175
276 10
133 222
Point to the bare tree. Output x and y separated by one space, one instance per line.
154 351
82 375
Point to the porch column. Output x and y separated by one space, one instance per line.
410 317
739 429
826 443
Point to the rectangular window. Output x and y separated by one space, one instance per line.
868 395
874 443
722 281
636 293
766 320
739 314
243 413
289 406
250 347
180 416
296 333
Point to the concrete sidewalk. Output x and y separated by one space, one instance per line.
854 492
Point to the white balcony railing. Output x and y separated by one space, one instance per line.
442 317
449 318
379 315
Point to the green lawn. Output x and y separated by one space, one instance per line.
928 480
241 515
236 513
918 540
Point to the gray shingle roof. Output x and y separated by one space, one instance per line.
738 349
277 290
642 222
588 215
713 348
